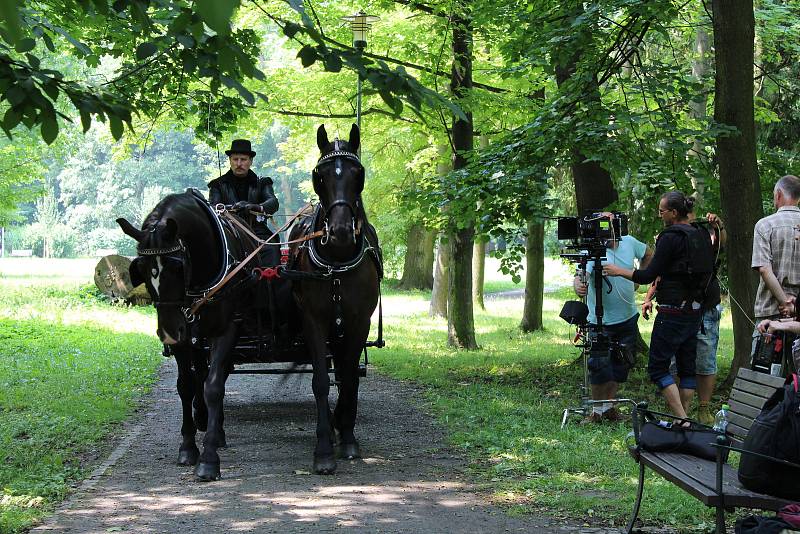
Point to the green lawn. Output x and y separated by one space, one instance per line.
503 405
71 369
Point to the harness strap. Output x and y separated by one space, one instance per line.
248 231
205 298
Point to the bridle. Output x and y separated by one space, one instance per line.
338 153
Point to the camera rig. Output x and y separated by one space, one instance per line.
590 236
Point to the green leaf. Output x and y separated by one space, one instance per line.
11 119
25 45
145 50
86 121
333 63
243 92
307 55
217 13
116 127
9 15
49 129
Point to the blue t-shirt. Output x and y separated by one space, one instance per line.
620 304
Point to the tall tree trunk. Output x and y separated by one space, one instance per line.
418 264
700 66
441 271
287 202
534 277
740 189
479 255
460 318
594 189
441 279
478 272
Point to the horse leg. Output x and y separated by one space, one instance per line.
200 364
344 416
324 457
188 451
208 468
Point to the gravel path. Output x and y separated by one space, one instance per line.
408 480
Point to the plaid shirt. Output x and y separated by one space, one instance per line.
775 243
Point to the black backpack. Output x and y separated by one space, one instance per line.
776 433
689 275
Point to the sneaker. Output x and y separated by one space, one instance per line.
594 417
613 415
704 414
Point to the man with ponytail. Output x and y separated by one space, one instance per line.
684 263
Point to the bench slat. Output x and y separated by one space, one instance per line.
698 478
744 410
740 420
762 378
754 388
747 398
735 430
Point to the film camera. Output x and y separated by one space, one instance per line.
592 227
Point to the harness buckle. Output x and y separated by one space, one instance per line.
187 313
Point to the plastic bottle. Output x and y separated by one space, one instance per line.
721 419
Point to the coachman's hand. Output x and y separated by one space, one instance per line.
241 205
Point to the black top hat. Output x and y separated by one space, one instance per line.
240 146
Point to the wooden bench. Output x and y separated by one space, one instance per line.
715 484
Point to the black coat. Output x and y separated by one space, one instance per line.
259 191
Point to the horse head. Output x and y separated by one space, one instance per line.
163 266
338 181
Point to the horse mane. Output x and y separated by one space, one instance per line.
161 208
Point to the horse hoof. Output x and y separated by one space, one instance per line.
188 456
222 443
350 451
207 472
325 465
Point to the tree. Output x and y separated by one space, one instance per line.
740 189
534 277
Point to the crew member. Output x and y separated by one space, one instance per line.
619 323
776 253
683 259
252 197
708 335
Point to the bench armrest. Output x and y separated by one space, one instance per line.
764 456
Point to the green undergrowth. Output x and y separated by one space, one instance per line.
503 405
71 369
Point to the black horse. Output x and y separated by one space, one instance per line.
185 251
336 281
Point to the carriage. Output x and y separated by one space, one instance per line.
212 304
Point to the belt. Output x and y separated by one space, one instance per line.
678 310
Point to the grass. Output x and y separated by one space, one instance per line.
503 405
71 369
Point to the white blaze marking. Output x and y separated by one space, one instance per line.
155 279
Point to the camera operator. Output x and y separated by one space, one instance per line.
620 319
684 260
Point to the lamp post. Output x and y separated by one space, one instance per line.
360 23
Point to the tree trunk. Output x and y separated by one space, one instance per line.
441 280
700 66
287 202
418 264
534 277
479 255
740 189
441 270
460 319
478 272
594 189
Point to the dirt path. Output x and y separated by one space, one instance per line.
408 480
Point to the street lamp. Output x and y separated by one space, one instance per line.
360 23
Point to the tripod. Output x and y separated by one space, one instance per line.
595 340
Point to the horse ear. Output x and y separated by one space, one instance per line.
355 138
130 230
170 230
322 137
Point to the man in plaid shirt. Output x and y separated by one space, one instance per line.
776 253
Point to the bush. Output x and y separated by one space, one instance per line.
60 238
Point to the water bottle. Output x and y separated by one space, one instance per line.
721 419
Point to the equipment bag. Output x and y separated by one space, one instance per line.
774 433
661 436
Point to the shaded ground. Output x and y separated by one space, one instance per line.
408 480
